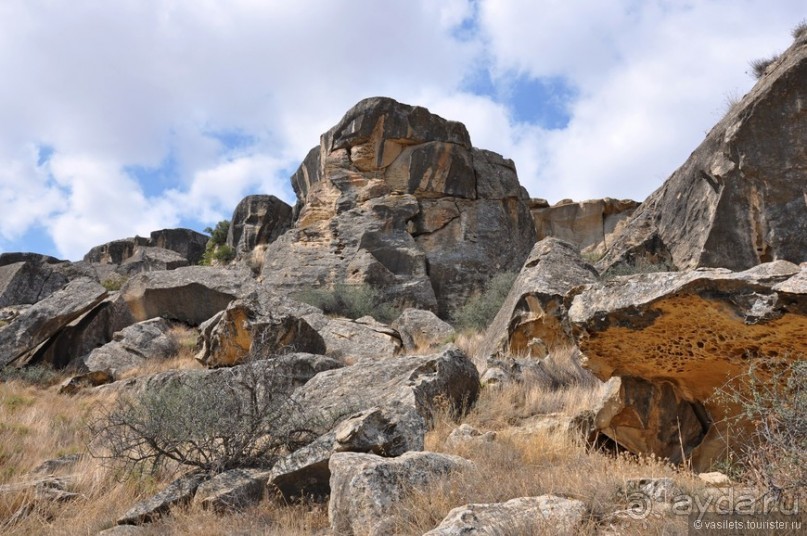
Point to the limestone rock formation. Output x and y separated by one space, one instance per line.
741 197
189 244
396 197
232 490
365 487
415 381
21 337
422 329
131 346
388 431
191 294
675 337
532 321
180 491
28 278
149 259
524 515
588 225
258 220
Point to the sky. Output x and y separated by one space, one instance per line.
121 117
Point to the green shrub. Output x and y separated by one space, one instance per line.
480 310
218 235
351 301
39 375
245 417
113 283
772 398
759 66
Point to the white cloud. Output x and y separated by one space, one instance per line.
132 82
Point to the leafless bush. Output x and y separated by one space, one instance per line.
239 417
800 30
772 399
759 66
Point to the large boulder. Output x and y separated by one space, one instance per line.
149 259
421 382
388 431
132 346
676 337
533 321
354 340
739 200
422 330
588 225
22 336
258 220
29 279
365 488
396 197
525 515
188 244
191 294
262 324
178 492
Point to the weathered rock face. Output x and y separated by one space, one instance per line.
354 340
366 487
396 197
414 381
258 220
148 259
525 515
180 491
532 320
131 346
422 329
388 431
262 324
37 324
30 279
191 294
675 337
189 244
588 225
741 197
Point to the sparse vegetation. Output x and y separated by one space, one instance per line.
640 265
478 312
759 66
246 419
800 30
217 251
351 301
772 398
114 282
37 375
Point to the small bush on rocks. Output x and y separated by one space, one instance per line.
351 301
478 312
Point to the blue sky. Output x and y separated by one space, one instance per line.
119 118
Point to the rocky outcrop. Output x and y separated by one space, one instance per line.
149 259
354 340
675 337
396 197
422 330
189 244
180 491
131 346
365 487
21 337
260 325
232 490
388 431
741 197
29 279
191 294
258 220
525 515
588 225
420 382
532 321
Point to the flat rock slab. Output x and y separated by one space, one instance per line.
180 491
526 515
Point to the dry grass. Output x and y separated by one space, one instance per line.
530 460
186 339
